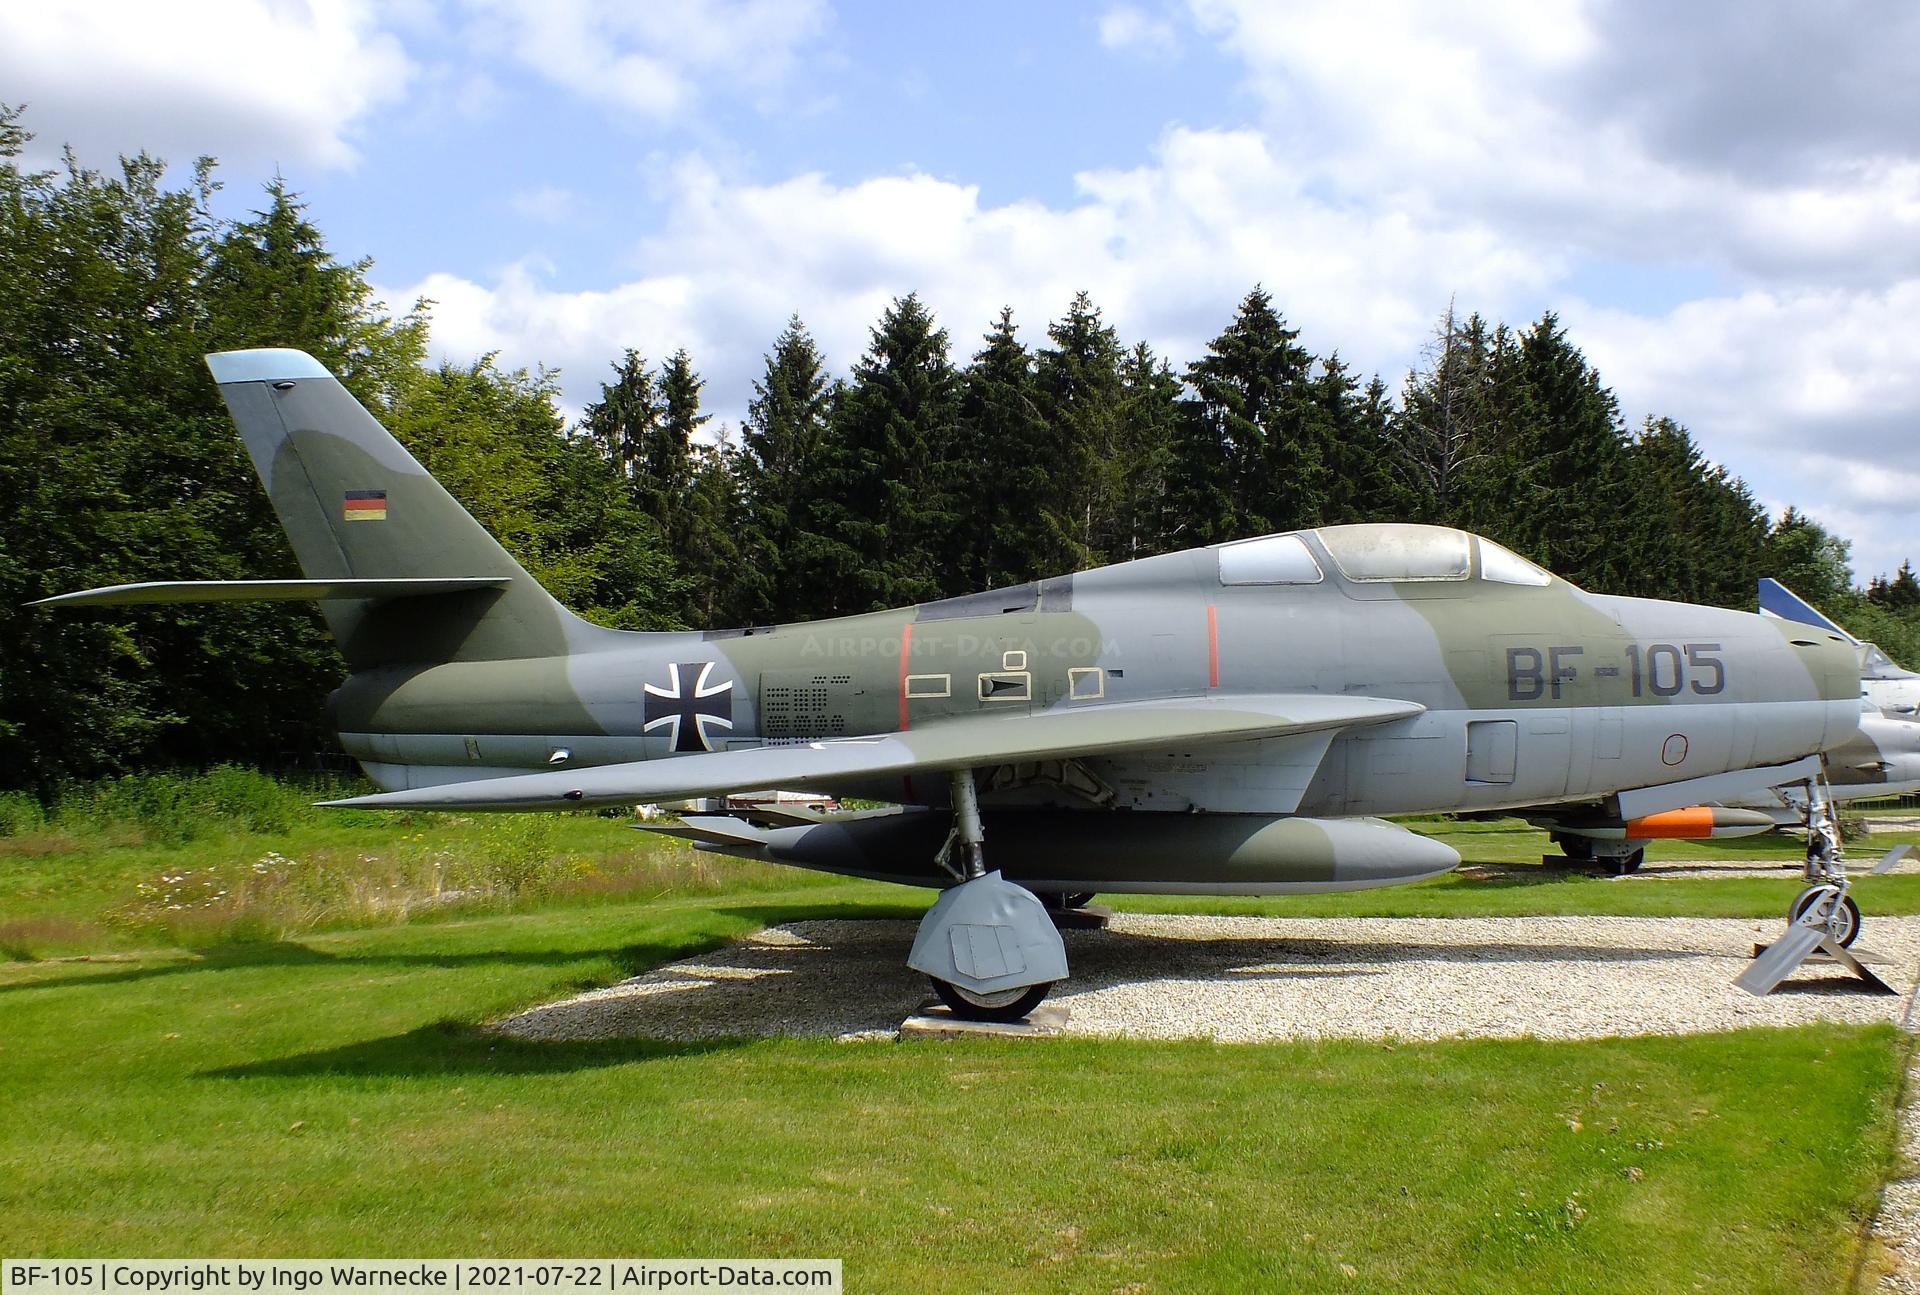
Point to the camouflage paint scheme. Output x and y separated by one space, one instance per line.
1125 703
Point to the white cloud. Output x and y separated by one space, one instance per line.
252 81
1533 116
546 203
651 60
1812 395
1128 27
1166 249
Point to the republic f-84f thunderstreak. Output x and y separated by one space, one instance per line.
1227 720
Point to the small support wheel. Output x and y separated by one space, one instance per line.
1003 1005
1622 864
1849 914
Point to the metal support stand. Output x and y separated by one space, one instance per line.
1820 917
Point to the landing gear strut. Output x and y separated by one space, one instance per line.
1826 872
1823 918
988 945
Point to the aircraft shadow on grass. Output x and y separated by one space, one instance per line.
834 977
632 959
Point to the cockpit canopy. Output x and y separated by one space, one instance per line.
1397 552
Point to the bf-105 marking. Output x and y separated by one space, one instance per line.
1227 720
1657 669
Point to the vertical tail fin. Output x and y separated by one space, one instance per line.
1778 600
356 505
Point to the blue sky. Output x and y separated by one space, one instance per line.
1720 200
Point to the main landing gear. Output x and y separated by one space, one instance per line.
988 945
1617 857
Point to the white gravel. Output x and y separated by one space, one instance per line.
1897 1224
1248 979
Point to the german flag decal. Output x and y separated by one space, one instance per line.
366 506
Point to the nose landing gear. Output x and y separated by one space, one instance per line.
1823 918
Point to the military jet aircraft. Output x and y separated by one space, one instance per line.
1229 719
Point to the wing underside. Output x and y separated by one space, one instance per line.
971 742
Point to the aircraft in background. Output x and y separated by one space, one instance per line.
1886 686
1226 720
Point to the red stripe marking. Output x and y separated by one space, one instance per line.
1213 648
906 647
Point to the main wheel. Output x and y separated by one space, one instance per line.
1849 914
1001 1005
1622 864
1576 847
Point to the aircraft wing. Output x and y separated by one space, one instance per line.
970 742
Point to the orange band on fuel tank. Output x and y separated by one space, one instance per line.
1213 648
1695 823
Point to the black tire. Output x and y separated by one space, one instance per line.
970 1006
1076 899
1849 920
1576 847
1622 864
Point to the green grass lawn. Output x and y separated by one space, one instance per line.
332 1095
175 1082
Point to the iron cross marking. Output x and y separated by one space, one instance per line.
688 705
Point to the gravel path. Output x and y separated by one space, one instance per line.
1247 979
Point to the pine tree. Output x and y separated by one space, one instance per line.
663 475
1442 437
1903 591
626 418
875 525
1137 522
1566 476
1000 476
1697 531
787 421
1360 483
1252 405
1807 558
1080 389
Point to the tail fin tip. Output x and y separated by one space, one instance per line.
266 364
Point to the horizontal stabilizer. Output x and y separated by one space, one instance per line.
974 742
265 591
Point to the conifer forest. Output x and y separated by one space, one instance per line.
951 456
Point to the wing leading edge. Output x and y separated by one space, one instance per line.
260 591
953 744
